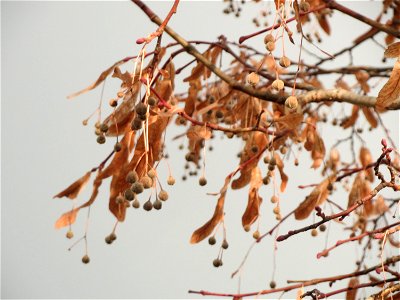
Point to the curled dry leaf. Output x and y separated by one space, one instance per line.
101 78
69 217
75 188
359 190
390 92
318 151
254 201
258 139
350 121
369 115
393 50
366 159
318 196
284 177
351 294
205 230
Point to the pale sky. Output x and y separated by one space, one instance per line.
51 49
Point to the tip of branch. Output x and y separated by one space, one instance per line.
242 39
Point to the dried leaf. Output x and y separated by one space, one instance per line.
318 151
380 206
317 197
393 50
75 188
254 201
366 159
205 230
69 217
369 115
351 294
258 139
323 22
350 121
390 92
101 78
284 177
355 192
197 133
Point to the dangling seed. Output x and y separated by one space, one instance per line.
252 79
163 195
272 284
157 204
137 188
86 259
108 240
117 147
212 240
276 210
256 235
266 180
270 46
113 103
202 181
216 263
170 180
151 173
284 62
219 114
136 203
146 181
246 228
104 127
322 227
274 199
278 84
291 102
141 109
132 177
69 234
147 205
272 161
136 124
101 139
152 101
225 244
314 232
129 195
304 7
119 199
269 38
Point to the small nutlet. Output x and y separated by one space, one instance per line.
277 84
141 109
256 235
274 199
225 244
132 177
202 181
276 210
117 147
217 263
284 62
146 181
137 188
151 173
304 7
272 284
253 79
101 139
136 203
171 180
152 101
270 46
212 240
147 206
136 124
322 227
314 232
104 127
163 195
86 259
69 234
129 195
269 38
291 102
157 204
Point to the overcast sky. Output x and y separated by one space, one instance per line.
51 49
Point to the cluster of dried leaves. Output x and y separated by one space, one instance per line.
147 103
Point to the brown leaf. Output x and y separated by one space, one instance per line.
289 121
350 121
323 22
351 294
369 115
393 50
254 201
284 177
355 192
366 159
75 188
205 230
318 151
69 217
99 80
390 92
317 197
380 206
258 139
